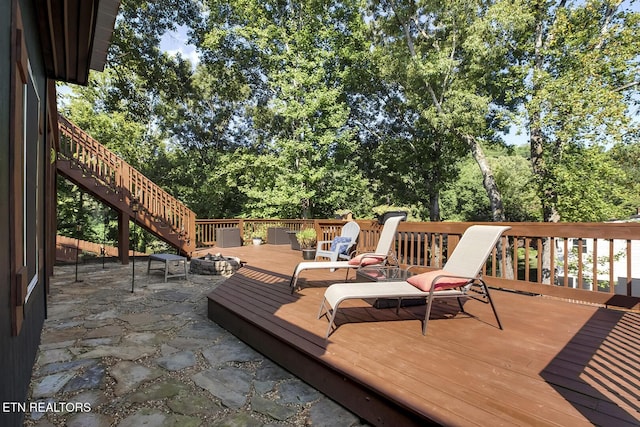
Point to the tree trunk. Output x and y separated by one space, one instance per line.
434 205
547 193
433 178
545 183
434 216
488 181
495 200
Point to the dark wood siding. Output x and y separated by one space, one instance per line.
19 341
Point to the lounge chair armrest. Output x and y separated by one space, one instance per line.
320 243
328 243
371 254
324 245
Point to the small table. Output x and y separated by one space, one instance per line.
387 273
383 273
166 258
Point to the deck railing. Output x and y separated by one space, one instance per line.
249 228
594 262
161 211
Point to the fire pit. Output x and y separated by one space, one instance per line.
214 265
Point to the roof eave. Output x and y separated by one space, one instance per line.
75 36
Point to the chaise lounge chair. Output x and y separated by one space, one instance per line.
379 256
459 278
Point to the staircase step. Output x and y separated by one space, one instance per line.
104 187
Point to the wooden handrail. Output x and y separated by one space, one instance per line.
206 228
158 209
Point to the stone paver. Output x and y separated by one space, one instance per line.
229 384
88 419
130 375
109 357
51 384
177 361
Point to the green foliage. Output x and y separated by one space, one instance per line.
583 66
302 109
307 238
449 67
465 199
301 153
515 179
114 129
591 187
381 209
602 264
82 217
257 230
626 157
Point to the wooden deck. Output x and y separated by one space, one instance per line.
555 362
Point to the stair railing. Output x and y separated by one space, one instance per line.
158 210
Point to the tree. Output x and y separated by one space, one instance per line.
627 158
583 63
594 187
449 61
295 57
130 139
465 200
309 107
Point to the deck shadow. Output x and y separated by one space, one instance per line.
537 371
248 305
598 370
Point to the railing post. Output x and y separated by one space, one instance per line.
241 227
123 237
316 226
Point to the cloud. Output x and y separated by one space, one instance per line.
176 42
188 53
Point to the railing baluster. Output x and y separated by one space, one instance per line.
629 264
514 248
580 264
552 261
595 265
612 286
539 263
527 242
565 242
110 170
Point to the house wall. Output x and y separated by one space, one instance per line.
18 350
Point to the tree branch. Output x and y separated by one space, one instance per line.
611 9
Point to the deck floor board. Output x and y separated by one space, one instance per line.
555 362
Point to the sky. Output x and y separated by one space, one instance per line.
177 42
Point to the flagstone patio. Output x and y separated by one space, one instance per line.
110 357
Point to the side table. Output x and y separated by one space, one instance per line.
385 273
166 258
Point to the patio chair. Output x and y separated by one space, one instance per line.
459 278
341 245
379 256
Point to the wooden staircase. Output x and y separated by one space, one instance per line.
103 174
